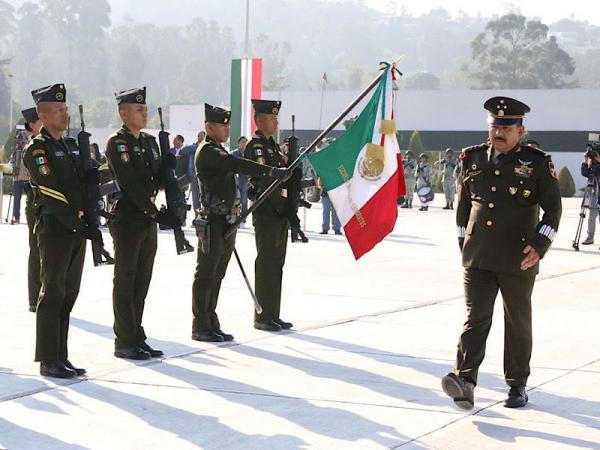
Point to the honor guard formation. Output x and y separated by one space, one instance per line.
501 186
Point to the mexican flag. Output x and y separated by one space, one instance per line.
362 171
246 84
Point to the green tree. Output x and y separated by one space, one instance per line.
415 144
566 183
513 53
422 81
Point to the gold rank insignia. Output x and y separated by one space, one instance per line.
526 193
513 190
524 170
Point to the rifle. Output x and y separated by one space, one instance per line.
94 205
295 200
174 194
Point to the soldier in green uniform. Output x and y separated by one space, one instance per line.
269 219
56 178
448 166
502 186
134 160
33 124
410 166
221 206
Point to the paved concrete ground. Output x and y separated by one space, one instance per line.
361 370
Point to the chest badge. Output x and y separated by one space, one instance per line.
524 170
512 190
526 193
125 157
474 167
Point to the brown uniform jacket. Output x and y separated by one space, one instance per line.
498 211
216 169
55 174
267 151
135 165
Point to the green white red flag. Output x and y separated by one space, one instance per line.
362 170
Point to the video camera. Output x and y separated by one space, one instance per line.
593 146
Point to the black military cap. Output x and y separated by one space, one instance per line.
216 114
505 111
266 106
52 93
137 96
30 116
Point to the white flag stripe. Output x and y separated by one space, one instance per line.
351 196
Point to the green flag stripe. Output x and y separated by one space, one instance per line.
335 164
236 99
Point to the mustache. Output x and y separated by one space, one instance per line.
499 139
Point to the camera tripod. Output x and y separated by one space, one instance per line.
590 189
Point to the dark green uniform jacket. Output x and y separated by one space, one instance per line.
267 151
498 212
135 164
216 169
55 174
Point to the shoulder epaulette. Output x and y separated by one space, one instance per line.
475 148
537 151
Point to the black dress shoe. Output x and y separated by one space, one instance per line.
324 232
207 336
33 308
338 232
267 325
78 371
226 337
459 390
56 369
282 324
517 397
153 352
133 352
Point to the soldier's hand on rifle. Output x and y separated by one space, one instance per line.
91 176
280 173
91 233
170 161
168 219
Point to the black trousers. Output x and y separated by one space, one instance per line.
18 187
33 264
481 289
61 268
270 233
135 249
210 270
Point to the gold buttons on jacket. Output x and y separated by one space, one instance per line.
489 223
493 188
496 172
491 205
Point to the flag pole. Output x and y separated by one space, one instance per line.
308 149
322 97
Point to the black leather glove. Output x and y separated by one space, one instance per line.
280 173
168 219
91 176
169 161
92 233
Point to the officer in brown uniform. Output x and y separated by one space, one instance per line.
501 189
33 124
134 160
221 206
269 219
56 177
